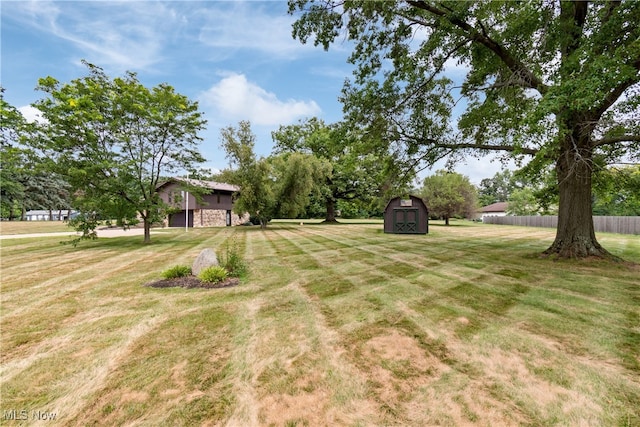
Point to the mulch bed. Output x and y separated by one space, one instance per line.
192 282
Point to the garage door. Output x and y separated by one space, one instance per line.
177 219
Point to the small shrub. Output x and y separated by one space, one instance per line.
231 259
213 274
177 271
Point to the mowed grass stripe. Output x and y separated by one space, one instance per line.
293 343
102 352
494 303
83 268
388 313
61 297
464 326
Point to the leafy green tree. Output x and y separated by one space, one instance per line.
112 139
496 189
617 191
449 194
554 81
273 186
12 158
522 201
356 171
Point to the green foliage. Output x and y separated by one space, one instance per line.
522 202
26 184
358 167
449 194
231 259
274 186
177 271
617 191
213 274
496 189
111 139
85 223
555 83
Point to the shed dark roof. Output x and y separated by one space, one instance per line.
416 198
212 185
495 207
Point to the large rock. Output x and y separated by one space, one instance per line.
207 258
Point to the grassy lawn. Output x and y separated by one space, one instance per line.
29 227
335 325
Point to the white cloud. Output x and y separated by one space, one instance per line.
32 114
236 98
118 36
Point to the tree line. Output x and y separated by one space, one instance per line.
552 85
315 169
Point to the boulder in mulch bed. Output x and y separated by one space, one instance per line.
206 258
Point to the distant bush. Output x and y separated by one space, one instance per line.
213 274
177 271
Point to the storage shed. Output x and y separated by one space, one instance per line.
406 216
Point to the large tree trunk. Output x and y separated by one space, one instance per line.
575 235
330 204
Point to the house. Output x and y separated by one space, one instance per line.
406 216
494 209
214 208
50 215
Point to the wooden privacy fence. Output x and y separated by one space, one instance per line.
604 224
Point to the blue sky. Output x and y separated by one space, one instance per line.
237 59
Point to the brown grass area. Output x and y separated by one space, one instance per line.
334 325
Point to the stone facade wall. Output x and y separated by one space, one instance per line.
239 219
216 218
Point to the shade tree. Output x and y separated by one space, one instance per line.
113 139
552 82
357 170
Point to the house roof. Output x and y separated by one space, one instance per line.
495 207
212 185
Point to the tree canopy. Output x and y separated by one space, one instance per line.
449 194
26 182
551 82
617 191
356 171
278 185
497 188
113 139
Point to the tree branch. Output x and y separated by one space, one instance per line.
615 140
516 66
508 148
